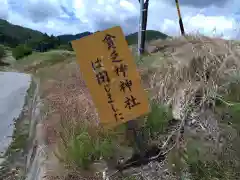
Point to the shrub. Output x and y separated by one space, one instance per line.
81 148
20 51
65 47
157 119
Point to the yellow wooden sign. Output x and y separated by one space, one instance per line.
110 73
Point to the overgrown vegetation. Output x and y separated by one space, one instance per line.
21 51
157 120
189 95
194 99
203 90
81 148
81 144
20 136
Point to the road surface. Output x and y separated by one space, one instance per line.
13 88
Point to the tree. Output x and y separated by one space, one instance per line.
144 25
2 55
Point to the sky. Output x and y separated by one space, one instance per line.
208 17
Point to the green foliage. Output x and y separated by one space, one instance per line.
2 52
158 118
199 166
19 138
79 149
13 35
133 177
223 165
20 51
82 148
65 47
69 37
228 104
208 170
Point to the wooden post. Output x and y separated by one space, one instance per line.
144 25
138 136
180 18
140 27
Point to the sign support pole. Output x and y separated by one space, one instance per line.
132 126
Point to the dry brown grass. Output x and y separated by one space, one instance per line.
67 102
68 109
192 76
201 71
185 80
67 98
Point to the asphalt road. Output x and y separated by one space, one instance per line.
13 88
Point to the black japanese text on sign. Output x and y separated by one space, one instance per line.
109 71
120 69
103 79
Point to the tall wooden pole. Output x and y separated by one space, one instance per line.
140 27
144 25
180 18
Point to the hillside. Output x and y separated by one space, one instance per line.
150 35
131 38
70 37
13 35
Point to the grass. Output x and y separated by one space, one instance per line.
130 178
157 120
81 148
175 82
208 79
204 169
209 170
20 135
81 144
40 60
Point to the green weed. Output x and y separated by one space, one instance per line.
157 119
82 148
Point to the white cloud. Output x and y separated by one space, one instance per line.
128 6
207 25
210 22
213 25
75 16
